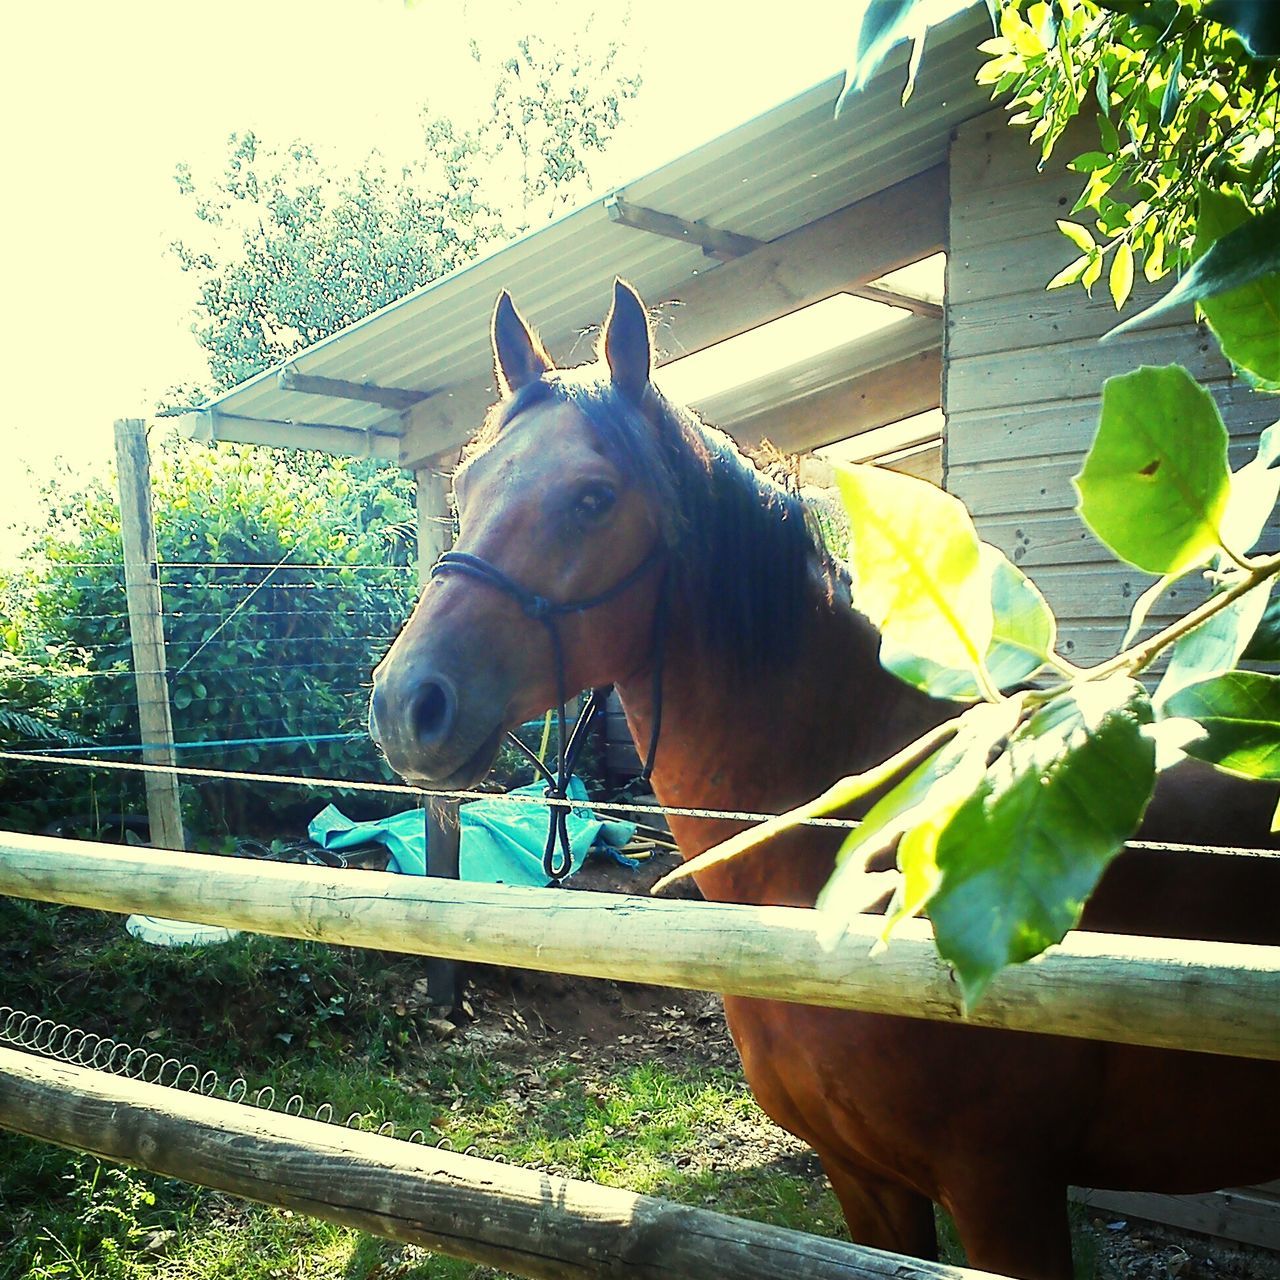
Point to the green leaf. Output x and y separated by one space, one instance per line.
1256 22
1088 161
840 795
1246 321
1155 483
916 568
1172 92
1240 713
930 793
1143 605
1215 646
1022 854
885 24
1254 491
1121 277
1106 130
1078 235
1171 737
1069 274
1264 645
1092 272
1102 89
1024 633
1246 256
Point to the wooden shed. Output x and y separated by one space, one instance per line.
747 238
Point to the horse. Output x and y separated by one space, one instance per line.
715 607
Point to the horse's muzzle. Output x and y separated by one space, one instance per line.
414 718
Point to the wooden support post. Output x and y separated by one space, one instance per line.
146 630
435 536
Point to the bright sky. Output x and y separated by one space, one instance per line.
101 101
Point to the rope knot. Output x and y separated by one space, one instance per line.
537 607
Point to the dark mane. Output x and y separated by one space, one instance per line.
742 544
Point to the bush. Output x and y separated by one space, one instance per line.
284 578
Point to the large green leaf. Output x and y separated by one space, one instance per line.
928 796
1023 636
1022 854
1243 268
1215 646
885 24
1246 320
1254 489
1256 22
1154 485
1264 645
1240 714
917 572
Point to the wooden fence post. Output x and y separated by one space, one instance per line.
435 536
146 630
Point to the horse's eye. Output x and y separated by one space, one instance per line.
594 503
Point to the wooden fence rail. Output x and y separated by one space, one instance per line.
1213 997
495 1214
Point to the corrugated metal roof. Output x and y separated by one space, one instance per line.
774 174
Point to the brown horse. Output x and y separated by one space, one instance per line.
589 485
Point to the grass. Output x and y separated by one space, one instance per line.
347 1028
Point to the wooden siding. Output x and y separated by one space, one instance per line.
1024 372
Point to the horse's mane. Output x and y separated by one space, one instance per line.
742 544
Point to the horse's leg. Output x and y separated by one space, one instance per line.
1015 1227
882 1214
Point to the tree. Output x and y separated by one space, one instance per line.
1005 817
260 643
289 251
292 251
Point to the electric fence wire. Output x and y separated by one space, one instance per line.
238 564
344 664
596 806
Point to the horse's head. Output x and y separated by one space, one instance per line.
556 510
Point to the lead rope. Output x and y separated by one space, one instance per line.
569 745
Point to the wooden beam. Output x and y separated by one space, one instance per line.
435 518
876 399
210 426
146 630
846 249
895 298
503 1216
1212 997
725 245
398 398
1250 1215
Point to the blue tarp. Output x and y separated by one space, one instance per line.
502 840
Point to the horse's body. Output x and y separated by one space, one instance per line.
570 485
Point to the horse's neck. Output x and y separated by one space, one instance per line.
766 745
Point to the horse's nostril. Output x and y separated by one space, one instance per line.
433 711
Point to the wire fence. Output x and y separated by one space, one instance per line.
636 807
233 629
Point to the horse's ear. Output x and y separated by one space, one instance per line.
626 340
518 357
